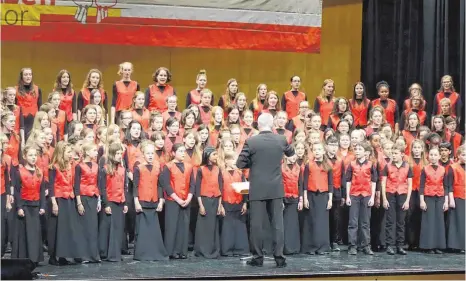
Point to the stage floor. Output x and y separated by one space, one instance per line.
299 266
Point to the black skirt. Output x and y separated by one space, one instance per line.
432 224
234 234
148 242
89 223
3 215
413 220
27 242
456 227
176 228
207 237
291 224
316 232
65 235
111 230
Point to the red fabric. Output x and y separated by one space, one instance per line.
229 195
144 120
459 188
397 179
434 180
453 100
125 94
291 180
134 154
157 99
63 183
13 149
30 184
66 104
148 183
288 135
209 184
325 109
361 179
205 116
88 183
336 172
86 94
28 102
116 185
389 111
195 97
359 112
179 181
318 178
292 103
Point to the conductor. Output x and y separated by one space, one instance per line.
263 155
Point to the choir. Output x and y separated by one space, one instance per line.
82 184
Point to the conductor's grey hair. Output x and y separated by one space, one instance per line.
265 122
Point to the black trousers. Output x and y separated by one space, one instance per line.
359 221
262 210
395 220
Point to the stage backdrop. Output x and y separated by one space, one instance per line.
253 41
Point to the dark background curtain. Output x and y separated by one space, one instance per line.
408 41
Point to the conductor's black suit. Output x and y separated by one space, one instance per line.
263 155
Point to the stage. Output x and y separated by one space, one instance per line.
339 265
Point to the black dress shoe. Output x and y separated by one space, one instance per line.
125 252
437 251
431 252
281 263
367 250
183 257
311 253
352 251
400 251
320 253
390 251
78 260
174 257
63 261
255 262
53 261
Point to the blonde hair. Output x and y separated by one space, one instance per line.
122 65
202 72
25 152
87 147
322 91
441 89
58 157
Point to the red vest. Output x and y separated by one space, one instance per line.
318 178
167 115
397 179
63 186
13 149
421 114
258 110
66 104
434 181
454 96
455 140
407 104
195 97
409 140
229 195
209 184
291 180
116 185
459 188
169 144
245 136
288 135
361 179
86 94
134 154
335 118
336 172
2 179
88 182
298 122
30 184
179 181
28 101
389 111
162 159
157 99
144 120
148 183
292 103
359 112
125 94
205 116
325 109
59 122
42 163
17 112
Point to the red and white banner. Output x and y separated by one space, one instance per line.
272 25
